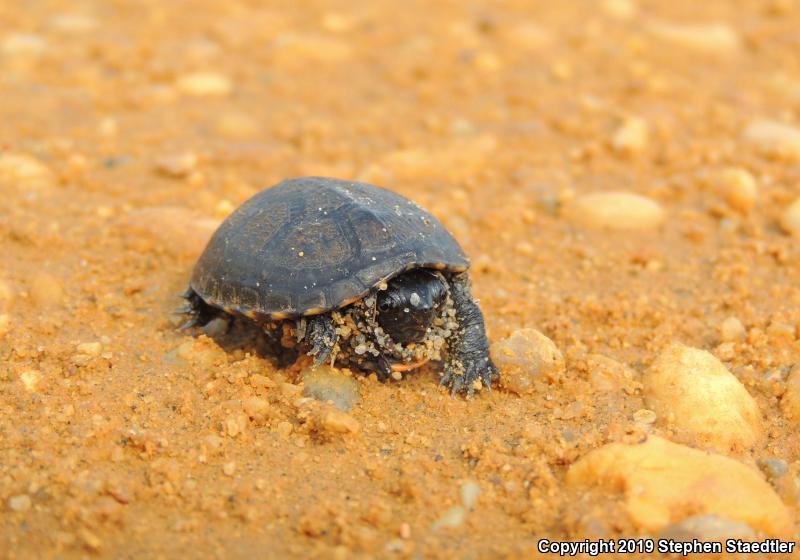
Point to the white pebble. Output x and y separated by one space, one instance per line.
739 188
774 139
696 396
20 503
24 172
23 45
790 220
614 210
631 137
525 357
204 84
713 38
469 494
732 330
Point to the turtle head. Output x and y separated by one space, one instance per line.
408 306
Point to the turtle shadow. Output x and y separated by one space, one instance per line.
232 333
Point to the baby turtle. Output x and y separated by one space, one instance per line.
356 274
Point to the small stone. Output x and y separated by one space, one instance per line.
204 84
663 483
335 421
23 45
469 494
325 383
790 219
30 378
91 540
255 407
73 23
93 349
229 468
258 380
284 429
773 467
6 296
525 357
20 503
24 173
739 189
644 416
46 291
177 165
173 229
790 401
631 137
732 330
706 528
712 38
237 126
620 9
608 375
216 328
5 324
774 139
614 210
453 517
694 394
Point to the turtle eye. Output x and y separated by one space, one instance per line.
384 305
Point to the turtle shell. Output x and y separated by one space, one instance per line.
312 244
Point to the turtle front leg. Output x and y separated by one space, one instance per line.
321 337
468 348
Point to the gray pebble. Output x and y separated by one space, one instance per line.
773 467
707 528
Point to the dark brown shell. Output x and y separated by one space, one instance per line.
313 244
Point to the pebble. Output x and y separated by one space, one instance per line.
620 9
614 210
525 357
453 517
790 220
707 528
790 401
30 378
20 503
73 23
177 165
773 467
732 330
237 126
5 324
325 383
173 229
255 407
335 421
631 137
695 395
229 468
46 291
216 328
470 491
774 139
609 375
204 84
739 189
712 38
24 172
645 416
23 45
664 483
6 295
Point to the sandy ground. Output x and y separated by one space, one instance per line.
130 129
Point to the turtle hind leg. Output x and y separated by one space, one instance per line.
468 357
197 311
321 337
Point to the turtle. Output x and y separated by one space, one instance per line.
352 274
